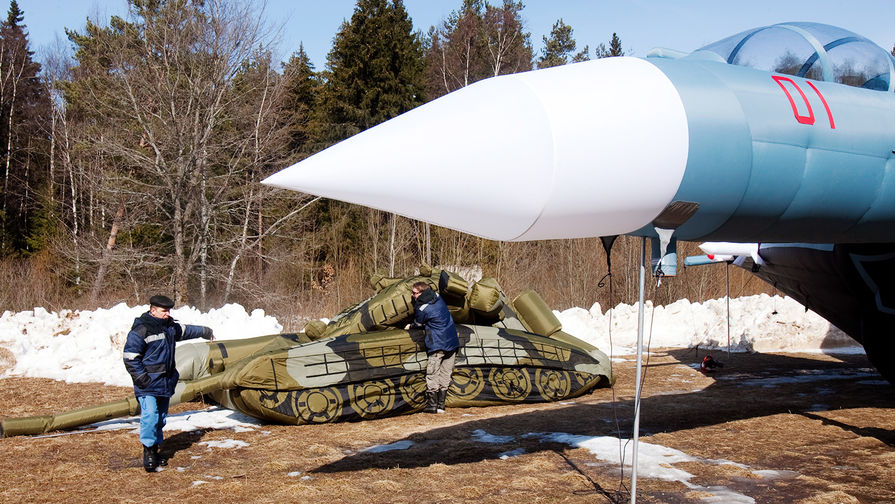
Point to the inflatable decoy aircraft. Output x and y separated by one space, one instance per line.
778 135
363 365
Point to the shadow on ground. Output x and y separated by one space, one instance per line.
181 441
748 387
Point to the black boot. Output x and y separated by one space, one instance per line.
161 459
432 405
150 459
441 398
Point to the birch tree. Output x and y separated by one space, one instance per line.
22 147
476 42
155 92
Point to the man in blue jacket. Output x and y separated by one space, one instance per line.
149 358
442 342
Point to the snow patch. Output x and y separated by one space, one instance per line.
225 443
481 436
512 453
398 445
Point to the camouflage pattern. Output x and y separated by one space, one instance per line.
361 376
363 364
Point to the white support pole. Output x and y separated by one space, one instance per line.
727 271
640 312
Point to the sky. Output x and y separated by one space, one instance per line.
641 25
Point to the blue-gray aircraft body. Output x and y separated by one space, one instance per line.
781 135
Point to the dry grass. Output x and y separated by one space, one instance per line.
565 273
828 441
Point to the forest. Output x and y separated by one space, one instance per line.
131 163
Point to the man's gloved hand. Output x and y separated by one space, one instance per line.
207 333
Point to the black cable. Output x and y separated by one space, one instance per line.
602 283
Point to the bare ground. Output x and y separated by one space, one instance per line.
810 429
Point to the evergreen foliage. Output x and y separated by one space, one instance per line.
23 144
375 71
559 48
615 48
302 87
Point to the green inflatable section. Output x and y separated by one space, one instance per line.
363 364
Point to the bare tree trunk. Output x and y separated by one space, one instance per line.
90 207
466 69
391 246
499 259
447 88
428 244
373 233
570 285
458 249
259 269
242 245
69 165
12 105
51 190
179 253
22 210
203 238
107 253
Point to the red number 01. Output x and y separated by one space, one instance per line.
803 119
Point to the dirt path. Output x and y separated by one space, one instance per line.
765 428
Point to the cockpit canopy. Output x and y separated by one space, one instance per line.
809 50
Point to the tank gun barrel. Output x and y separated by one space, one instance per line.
28 426
70 419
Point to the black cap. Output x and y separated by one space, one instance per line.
161 301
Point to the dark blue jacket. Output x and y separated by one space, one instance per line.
430 311
149 353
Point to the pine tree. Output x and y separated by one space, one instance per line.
375 71
302 85
23 103
615 48
559 47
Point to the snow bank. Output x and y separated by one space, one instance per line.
758 323
85 346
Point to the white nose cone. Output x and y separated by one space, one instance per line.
591 149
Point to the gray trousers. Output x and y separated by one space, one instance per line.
439 370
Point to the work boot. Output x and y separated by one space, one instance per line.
161 459
432 405
441 397
150 459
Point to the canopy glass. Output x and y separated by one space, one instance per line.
810 50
